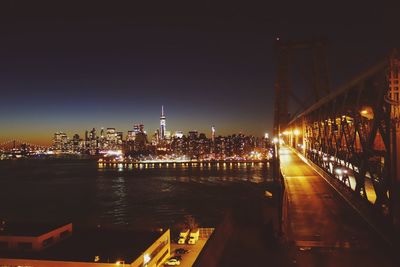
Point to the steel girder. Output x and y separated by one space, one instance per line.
350 130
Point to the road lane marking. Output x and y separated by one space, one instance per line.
306 244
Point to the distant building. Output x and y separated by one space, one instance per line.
93 142
130 136
61 142
120 137
193 145
111 138
178 134
167 135
193 135
138 128
92 135
137 139
110 134
162 124
102 139
156 138
76 143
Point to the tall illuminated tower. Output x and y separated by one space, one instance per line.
162 124
212 148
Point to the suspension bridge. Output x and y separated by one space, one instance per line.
339 158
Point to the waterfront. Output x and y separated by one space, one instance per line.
88 193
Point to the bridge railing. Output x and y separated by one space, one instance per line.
352 134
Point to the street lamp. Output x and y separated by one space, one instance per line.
367 112
146 258
120 262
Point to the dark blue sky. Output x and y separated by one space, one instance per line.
75 67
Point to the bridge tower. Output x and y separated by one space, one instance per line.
281 115
319 82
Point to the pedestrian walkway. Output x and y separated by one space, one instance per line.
321 226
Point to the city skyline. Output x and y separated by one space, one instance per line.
126 127
162 131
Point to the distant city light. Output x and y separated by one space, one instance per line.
367 112
110 146
339 171
113 153
178 134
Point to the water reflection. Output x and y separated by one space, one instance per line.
125 193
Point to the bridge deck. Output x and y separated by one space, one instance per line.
325 231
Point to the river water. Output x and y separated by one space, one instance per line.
87 193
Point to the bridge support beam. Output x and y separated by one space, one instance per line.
354 135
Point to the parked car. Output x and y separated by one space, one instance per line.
172 262
181 251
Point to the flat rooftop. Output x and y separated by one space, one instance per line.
27 229
84 245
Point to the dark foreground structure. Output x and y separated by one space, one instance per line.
349 139
60 245
311 224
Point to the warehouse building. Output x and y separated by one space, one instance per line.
59 245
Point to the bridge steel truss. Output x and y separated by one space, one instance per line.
354 132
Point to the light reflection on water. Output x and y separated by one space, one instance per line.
124 194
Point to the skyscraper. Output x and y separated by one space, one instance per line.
60 142
162 124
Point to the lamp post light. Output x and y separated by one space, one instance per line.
120 262
367 112
146 259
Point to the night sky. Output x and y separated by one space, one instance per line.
74 67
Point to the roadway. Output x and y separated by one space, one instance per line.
322 229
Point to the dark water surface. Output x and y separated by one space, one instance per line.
84 192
